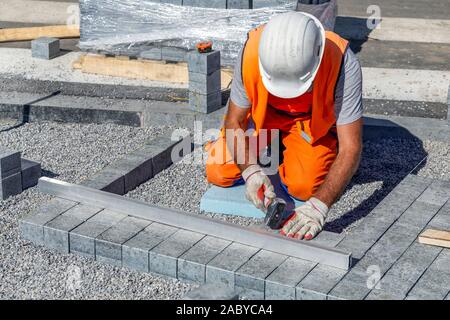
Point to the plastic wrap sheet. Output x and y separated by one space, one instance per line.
130 26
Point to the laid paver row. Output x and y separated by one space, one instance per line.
147 246
152 247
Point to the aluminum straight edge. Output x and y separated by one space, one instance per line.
209 226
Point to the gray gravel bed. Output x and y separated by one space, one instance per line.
384 164
71 152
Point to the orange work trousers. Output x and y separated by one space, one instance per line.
304 168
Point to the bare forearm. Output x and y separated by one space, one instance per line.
338 177
237 143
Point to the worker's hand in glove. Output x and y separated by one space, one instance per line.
307 221
255 182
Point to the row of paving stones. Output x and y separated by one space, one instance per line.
122 240
141 165
384 242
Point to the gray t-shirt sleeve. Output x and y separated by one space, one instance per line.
348 106
348 94
238 94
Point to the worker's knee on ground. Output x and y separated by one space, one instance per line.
221 175
302 190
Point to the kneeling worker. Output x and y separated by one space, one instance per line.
294 76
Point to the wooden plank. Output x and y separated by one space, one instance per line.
25 34
440 238
140 69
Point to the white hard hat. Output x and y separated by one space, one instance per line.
290 52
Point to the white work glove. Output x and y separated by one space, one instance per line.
255 179
307 221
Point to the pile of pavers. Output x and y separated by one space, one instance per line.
16 174
204 81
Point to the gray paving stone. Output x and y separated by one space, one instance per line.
56 231
389 288
435 282
205 84
329 239
82 238
192 264
160 157
109 180
305 294
364 236
438 193
281 284
135 252
442 219
390 247
205 103
354 286
32 226
413 184
31 172
250 294
173 54
151 54
163 258
382 256
161 151
204 63
9 162
319 282
11 186
253 273
135 168
108 245
45 48
211 292
395 203
419 214
403 195
405 272
223 267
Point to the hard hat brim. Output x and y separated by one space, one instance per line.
284 88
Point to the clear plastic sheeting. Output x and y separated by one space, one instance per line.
131 26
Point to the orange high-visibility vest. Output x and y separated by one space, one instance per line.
322 113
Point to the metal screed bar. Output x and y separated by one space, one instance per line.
252 237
